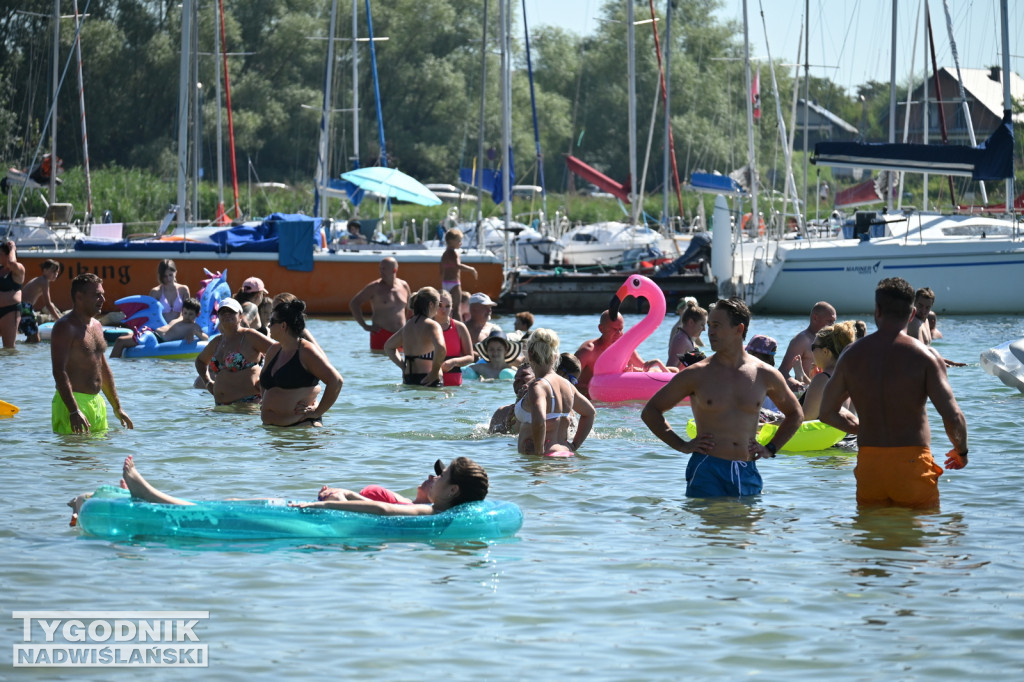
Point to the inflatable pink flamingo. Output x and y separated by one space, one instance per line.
611 382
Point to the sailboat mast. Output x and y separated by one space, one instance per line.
220 133
506 115
183 79
478 165
631 71
1007 99
751 160
81 108
323 166
355 81
53 119
892 101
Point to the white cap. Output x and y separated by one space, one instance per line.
482 299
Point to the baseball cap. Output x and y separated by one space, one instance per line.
482 299
762 344
254 284
231 304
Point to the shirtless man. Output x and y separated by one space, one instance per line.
822 315
38 287
889 376
918 327
590 351
80 369
479 323
726 391
388 298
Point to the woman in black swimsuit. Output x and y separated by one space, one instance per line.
12 278
293 371
421 341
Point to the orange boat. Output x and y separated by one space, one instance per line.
327 289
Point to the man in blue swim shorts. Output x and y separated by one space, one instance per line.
80 369
726 391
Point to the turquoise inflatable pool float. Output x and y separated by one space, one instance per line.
110 334
113 514
811 436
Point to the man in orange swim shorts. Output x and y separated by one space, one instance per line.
889 376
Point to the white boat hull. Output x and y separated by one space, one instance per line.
969 274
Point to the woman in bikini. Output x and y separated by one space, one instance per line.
692 321
232 358
456 341
544 411
293 371
828 343
12 279
421 340
168 292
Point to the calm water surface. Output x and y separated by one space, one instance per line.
614 576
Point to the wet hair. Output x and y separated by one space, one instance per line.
7 246
525 318
542 348
471 479
569 364
293 315
924 293
50 264
192 303
894 298
692 310
737 311
284 297
165 266
421 300
80 283
835 337
452 236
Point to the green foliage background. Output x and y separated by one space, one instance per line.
430 92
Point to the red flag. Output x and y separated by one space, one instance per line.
755 95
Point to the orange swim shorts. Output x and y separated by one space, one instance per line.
905 476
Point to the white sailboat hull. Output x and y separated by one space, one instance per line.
970 273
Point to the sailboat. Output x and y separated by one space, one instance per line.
56 226
285 251
974 263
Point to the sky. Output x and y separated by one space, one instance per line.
850 39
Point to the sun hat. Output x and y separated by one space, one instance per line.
482 299
231 304
513 349
765 345
254 284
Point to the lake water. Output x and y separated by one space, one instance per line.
615 575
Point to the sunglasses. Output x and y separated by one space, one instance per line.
816 346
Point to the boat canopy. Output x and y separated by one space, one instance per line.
991 160
716 184
292 236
